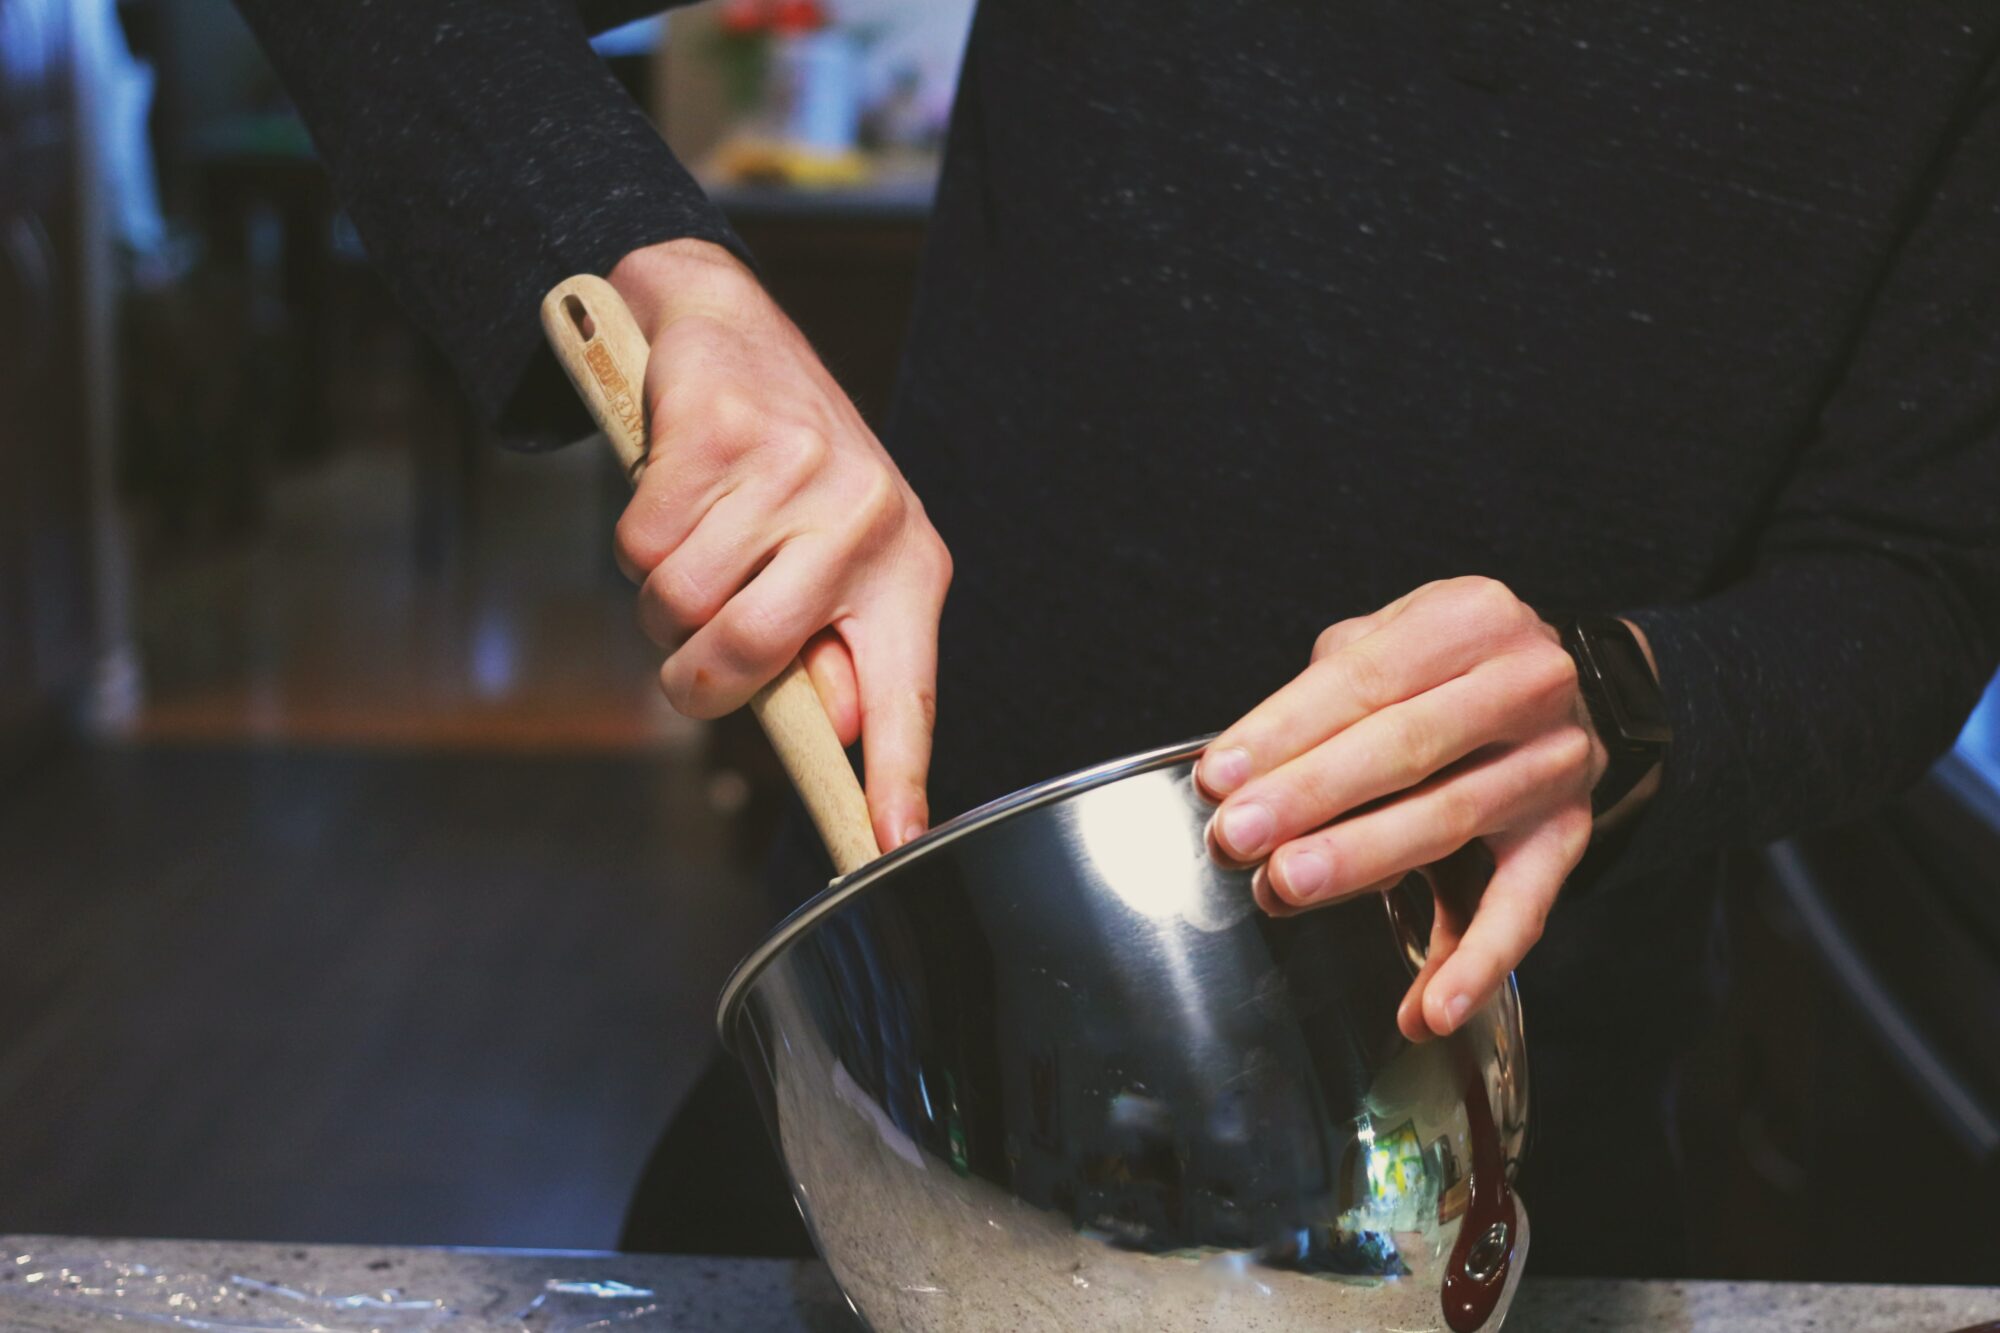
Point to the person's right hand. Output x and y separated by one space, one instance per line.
770 520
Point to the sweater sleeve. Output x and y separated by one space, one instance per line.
1848 656
484 153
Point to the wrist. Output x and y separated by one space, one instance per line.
1618 687
662 281
1632 801
1645 647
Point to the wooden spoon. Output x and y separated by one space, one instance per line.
604 353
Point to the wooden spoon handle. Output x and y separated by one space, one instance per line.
604 353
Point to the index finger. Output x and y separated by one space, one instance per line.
895 666
1508 921
1399 658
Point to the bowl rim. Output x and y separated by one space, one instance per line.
839 892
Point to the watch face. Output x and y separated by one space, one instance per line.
1629 688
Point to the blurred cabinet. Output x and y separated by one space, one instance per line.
1842 1122
45 499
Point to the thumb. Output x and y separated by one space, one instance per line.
895 666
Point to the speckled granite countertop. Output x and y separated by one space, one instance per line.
66 1285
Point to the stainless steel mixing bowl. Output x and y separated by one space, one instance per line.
1048 1067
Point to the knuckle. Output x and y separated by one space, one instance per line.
1365 677
1575 828
1306 796
1540 683
1476 604
941 569
752 639
1572 750
1419 747
676 683
739 644
632 539
1327 640
877 504
1460 814
1493 600
796 455
683 597
1555 671
728 413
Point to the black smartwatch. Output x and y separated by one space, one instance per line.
1624 700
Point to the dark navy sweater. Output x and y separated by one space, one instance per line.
1239 317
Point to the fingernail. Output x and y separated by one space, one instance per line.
1244 829
1305 874
1223 771
1455 1010
911 832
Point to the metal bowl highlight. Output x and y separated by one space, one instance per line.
1048 1067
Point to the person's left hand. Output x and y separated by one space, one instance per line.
1451 715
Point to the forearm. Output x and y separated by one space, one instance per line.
1845 658
1811 691
484 153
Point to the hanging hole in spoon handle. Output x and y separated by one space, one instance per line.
604 352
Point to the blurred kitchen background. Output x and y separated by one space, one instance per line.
355 882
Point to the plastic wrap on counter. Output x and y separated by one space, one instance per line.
75 1292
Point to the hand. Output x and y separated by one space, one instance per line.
770 521
1449 716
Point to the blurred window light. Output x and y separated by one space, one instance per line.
637 38
1979 742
